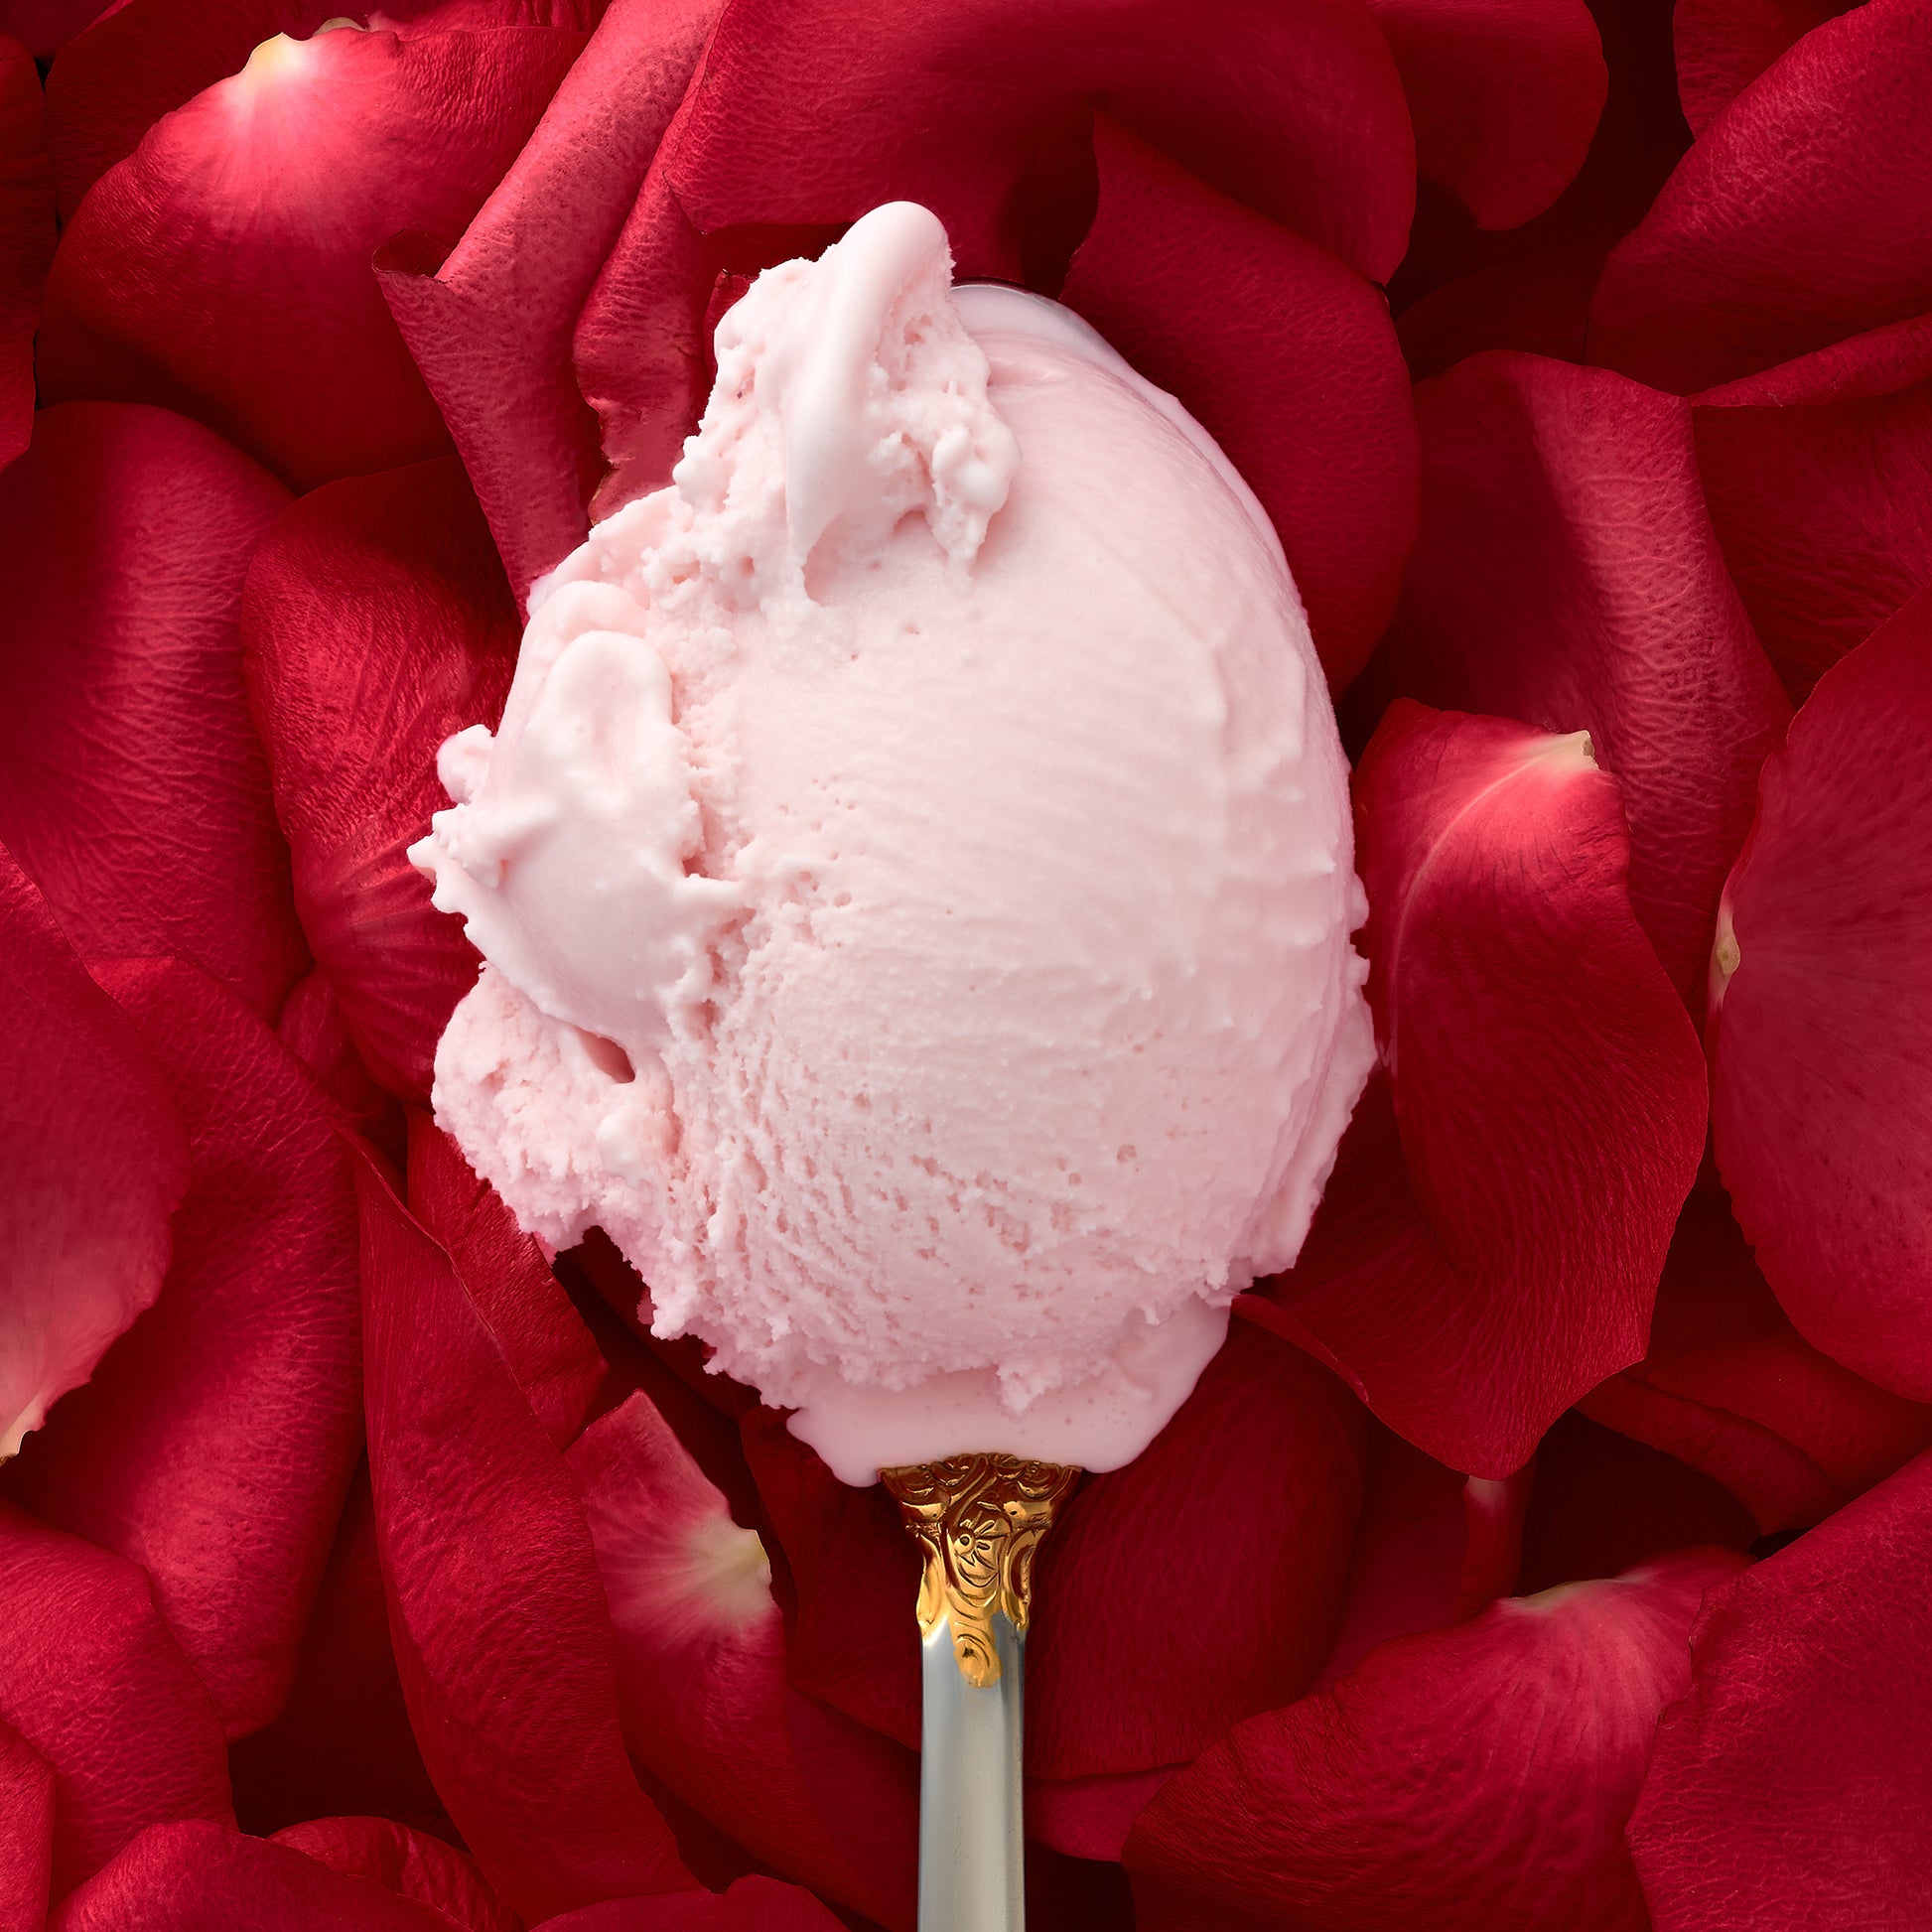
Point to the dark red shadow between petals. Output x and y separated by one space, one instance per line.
26 237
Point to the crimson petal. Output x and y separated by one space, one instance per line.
215 1441
1788 1787
223 267
480 1530
1504 96
1491 1243
91 1679
26 239
1567 576
1467 1778
376 622
702 1677
1822 1062
1183 1540
410 1863
143 58
1803 213
1287 358
95 1160
1731 1388
26 1833
491 323
197 1877
132 785
1819 477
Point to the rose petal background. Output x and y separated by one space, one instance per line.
1490 1242
1789 1786
132 786
215 1444
376 622
1822 1084
96 1158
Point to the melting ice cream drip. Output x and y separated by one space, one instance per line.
915 884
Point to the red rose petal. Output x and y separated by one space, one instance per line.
95 1160
1819 477
223 267
490 324
215 1441
1788 1788
1468 1779
344 1744
1803 213
132 785
549 1351
1566 575
26 1834
805 116
145 58
202 1878
1821 1063
90 1678
26 239
1603 1503
1504 98
854 1642
376 623
1203 296
753 1904
1722 45
411 1865
1730 1387
1491 1243
480 1532
1185 1539
701 1662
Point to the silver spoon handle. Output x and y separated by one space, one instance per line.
978 1520
972 1845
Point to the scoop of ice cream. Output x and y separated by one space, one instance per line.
914 878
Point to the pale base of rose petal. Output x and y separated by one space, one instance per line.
1099 1424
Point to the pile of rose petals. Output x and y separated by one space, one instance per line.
1550 1551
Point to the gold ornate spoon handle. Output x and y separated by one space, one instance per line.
978 1520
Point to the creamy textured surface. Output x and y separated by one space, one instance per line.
916 878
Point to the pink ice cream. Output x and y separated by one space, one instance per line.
914 878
